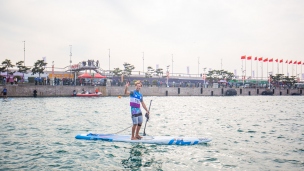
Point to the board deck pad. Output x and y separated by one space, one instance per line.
165 140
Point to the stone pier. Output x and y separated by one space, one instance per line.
65 91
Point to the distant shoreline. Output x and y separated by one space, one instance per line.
107 91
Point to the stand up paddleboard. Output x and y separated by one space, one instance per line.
164 140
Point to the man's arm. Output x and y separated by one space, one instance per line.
126 89
145 107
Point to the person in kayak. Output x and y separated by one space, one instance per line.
136 98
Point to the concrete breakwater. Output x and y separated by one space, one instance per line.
64 91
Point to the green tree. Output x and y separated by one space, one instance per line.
216 75
289 80
277 78
159 72
39 67
117 72
149 72
6 64
21 67
128 69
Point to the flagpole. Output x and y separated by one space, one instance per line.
282 68
278 68
296 68
272 67
302 71
245 67
262 69
287 69
242 68
292 69
267 68
251 68
257 75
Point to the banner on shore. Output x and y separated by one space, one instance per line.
61 76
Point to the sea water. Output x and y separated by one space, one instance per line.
248 133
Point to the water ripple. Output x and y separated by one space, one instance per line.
249 133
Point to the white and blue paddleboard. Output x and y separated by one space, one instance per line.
164 140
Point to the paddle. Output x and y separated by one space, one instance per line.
147 116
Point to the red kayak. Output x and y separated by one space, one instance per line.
89 95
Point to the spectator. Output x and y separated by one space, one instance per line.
4 92
36 80
16 80
35 93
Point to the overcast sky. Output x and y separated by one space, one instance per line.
198 33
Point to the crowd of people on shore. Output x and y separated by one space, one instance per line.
10 80
158 83
90 62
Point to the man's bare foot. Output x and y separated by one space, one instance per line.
134 138
138 137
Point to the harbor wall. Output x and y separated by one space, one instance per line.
64 91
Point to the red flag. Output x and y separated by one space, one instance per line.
299 63
266 59
256 58
295 62
281 60
243 57
290 62
248 57
261 58
271 60
277 60
286 61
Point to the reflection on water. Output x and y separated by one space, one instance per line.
135 160
249 133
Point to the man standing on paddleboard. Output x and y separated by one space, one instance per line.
136 98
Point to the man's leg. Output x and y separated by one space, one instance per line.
133 132
140 120
137 131
135 122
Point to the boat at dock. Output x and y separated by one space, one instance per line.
89 95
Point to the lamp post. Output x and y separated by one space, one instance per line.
243 76
172 65
52 73
23 59
24 54
269 79
198 66
143 62
204 76
70 60
109 62
168 75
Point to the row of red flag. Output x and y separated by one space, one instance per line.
271 60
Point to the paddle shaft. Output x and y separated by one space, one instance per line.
147 120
